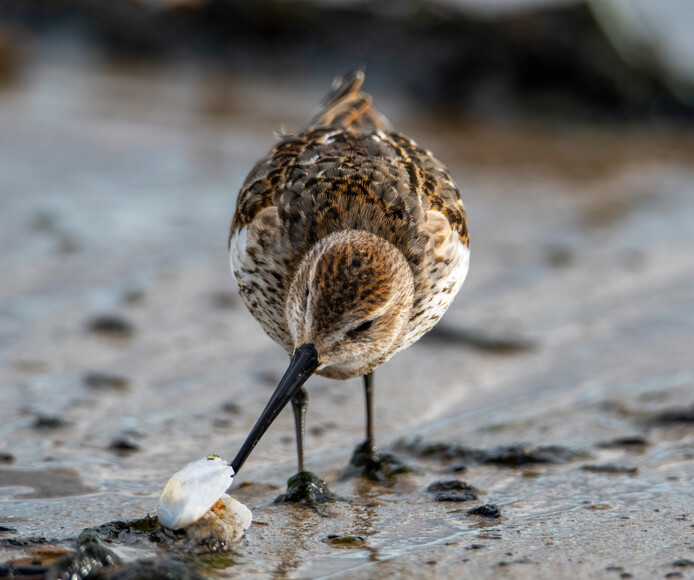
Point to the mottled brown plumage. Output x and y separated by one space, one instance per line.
349 237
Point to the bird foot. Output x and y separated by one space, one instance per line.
375 465
306 488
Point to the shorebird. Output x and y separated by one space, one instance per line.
349 242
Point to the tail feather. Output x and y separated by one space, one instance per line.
346 106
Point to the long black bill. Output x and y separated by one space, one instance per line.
303 365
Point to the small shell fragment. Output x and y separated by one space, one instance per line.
192 491
220 528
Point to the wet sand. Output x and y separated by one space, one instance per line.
126 352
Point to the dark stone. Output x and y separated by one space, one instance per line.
674 416
610 468
103 381
111 325
633 442
6 457
124 446
453 491
49 423
346 541
449 485
488 510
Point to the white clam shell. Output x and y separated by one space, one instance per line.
192 491
241 514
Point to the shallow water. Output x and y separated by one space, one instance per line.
117 185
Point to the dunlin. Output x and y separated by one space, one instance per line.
349 242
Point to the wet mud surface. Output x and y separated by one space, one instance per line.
558 391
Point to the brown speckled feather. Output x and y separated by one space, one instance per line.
347 170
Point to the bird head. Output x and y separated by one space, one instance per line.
351 298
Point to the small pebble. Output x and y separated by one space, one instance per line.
111 325
49 423
349 541
683 563
453 490
488 510
103 381
124 446
610 468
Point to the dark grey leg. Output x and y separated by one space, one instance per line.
368 396
299 405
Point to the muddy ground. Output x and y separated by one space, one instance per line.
559 386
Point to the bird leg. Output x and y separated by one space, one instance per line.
304 487
368 396
299 406
372 463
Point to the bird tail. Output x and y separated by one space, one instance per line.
346 106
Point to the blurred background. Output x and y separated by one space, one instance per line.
128 126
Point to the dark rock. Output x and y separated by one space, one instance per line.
673 416
103 381
449 485
453 491
488 510
6 457
345 541
111 325
683 563
610 468
632 442
124 446
28 542
49 423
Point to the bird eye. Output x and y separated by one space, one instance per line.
364 326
